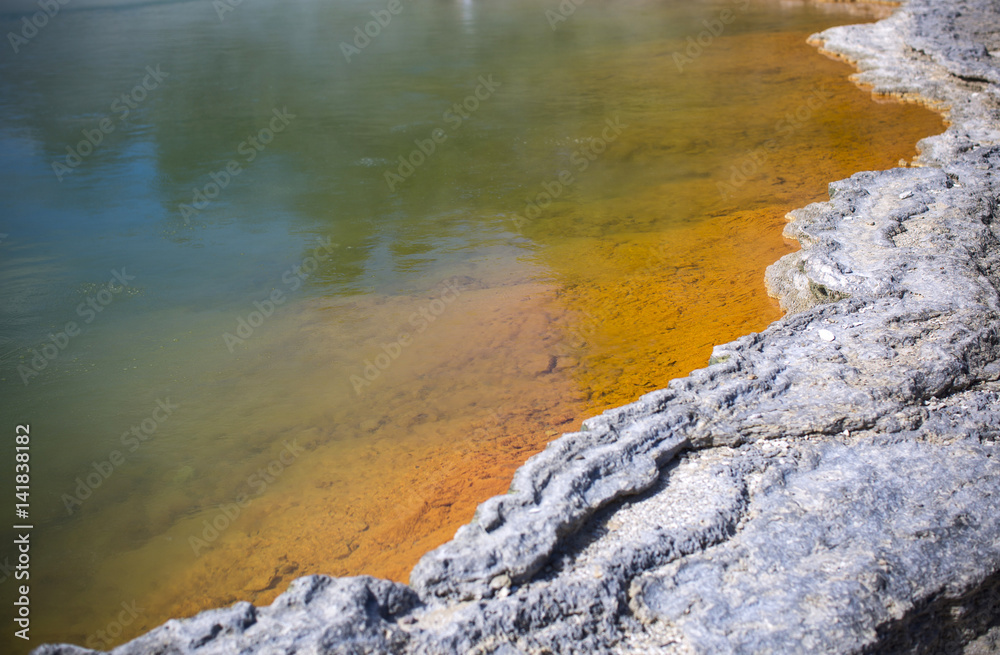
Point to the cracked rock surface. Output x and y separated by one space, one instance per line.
830 485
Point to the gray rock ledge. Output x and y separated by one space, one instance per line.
831 485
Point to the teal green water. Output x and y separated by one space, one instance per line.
210 247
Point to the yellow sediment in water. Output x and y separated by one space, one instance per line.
384 475
679 268
624 294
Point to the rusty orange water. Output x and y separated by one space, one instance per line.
655 302
653 254
635 306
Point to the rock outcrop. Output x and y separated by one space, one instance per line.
828 485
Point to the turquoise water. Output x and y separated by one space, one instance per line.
216 218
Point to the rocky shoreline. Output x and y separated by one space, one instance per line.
827 485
